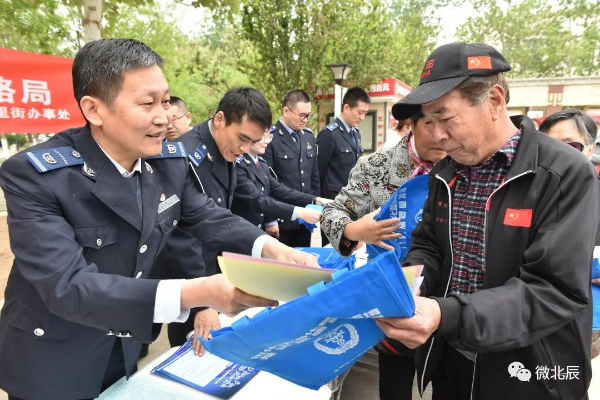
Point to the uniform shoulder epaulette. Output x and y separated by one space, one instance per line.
170 150
307 129
240 159
332 126
261 159
273 128
198 154
49 159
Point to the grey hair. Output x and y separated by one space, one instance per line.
477 88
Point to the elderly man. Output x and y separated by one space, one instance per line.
89 210
506 239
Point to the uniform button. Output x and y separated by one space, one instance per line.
259 225
99 242
300 160
262 215
175 223
262 188
302 172
138 275
143 248
219 200
38 332
284 156
346 150
302 183
110 333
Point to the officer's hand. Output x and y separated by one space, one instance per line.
273 230
204 321
596 281
310 215
216 292
279 251
322 202
414 331
368 230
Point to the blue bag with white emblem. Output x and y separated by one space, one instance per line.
407 204
316 337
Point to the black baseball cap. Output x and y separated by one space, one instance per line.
446 68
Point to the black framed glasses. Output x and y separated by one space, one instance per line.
577 145
176 118
303 117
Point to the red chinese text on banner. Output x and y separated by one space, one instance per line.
36 93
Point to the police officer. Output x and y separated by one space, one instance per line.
181 121
262 200
293 156
242 116
339 143
88 211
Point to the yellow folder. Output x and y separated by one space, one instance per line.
270 279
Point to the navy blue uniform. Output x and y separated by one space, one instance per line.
215 177
83 248
338 152
258 194
296 168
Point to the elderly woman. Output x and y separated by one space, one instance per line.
349 219
578 130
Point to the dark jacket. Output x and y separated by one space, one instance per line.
258 194
535 306
80 242
217 178
337 156
298 171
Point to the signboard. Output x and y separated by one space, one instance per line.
387 87
36 93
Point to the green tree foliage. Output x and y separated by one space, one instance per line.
542 39
290 43
36 26
199 69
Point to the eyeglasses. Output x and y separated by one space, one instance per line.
267 138
577 145
303 117
176 118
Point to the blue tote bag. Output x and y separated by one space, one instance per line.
316 337
407 204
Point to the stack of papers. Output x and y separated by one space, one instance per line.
270 279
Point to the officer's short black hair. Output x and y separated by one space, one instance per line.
245 101
294 97
583 122
99 65
179 103
354 95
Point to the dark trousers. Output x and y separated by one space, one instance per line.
396 377
454 378
295 237
115 369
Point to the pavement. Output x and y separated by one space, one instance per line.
360 384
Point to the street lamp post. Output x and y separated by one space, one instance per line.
340 73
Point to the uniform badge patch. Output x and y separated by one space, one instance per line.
168 203
49 159
170 150
198 154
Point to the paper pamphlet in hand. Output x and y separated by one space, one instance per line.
270 279
316 337
208 373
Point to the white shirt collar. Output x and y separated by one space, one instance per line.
255 159
137 167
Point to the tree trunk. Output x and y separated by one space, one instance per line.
92 19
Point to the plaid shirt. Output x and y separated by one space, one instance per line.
472 189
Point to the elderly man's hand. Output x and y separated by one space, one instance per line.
414 331
368 230
204 321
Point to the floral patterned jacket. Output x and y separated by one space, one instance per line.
371 183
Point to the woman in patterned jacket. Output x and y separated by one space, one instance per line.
349 219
